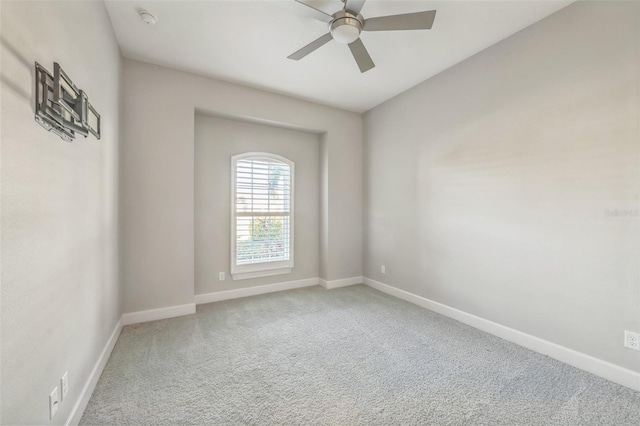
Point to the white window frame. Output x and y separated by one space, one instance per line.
264 269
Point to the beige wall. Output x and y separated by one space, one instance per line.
157 179
488 186
216 141
60 295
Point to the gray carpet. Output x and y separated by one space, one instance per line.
340 357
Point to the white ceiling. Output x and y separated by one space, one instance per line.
248 42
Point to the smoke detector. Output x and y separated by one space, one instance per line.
147 17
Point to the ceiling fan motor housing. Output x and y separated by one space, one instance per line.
346 26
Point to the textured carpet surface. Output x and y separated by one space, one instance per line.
340 357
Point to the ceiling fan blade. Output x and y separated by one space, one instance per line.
360 54
305 8
408 21
354 6
296 56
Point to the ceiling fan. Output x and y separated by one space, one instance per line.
346 25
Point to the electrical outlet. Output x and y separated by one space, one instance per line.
221 276
54 402
383 269
632 340
64 386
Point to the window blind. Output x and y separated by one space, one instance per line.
262 211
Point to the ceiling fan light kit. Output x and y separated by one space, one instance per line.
346 25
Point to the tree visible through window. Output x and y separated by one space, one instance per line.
262 215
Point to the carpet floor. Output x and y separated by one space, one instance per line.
349 356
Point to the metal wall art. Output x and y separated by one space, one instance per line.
61 107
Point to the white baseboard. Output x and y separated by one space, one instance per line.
158 314
217 296
85 394
340 283
599 367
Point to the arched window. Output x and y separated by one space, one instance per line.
261 215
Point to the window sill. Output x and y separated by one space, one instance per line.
260 274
